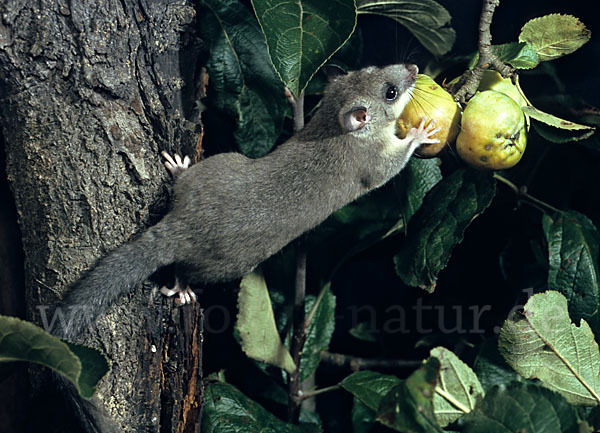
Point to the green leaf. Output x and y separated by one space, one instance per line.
563 105
554 35
318 333
417 179
363 418
555 129
556 135
227 410
243 83
364 331
369 386
24 341
310 427
310 421
94 366
256 324
593 420
426 19
519 55
573 254
554 121
408 407
522 407
348 57
440 224
302 35
542 343
458 390
491 368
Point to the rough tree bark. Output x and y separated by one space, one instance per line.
91 93
13 386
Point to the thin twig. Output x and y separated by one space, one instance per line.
357 363
522 192
311 394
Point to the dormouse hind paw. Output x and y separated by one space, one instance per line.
176 165
183 296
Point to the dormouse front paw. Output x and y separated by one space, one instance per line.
423 134
176 165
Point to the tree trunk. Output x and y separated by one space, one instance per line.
91 93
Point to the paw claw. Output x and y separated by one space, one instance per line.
167 292
423 133
184 296
176 166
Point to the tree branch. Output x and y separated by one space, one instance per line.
468 83
299 317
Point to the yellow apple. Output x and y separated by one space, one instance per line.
431 101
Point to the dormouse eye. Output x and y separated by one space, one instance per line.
391 93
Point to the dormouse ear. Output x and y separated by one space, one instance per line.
356 118
333 72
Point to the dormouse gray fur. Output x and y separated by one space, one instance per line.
231 212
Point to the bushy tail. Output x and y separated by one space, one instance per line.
114 275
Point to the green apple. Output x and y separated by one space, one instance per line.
492 80
493 134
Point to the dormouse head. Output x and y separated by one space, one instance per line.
371 98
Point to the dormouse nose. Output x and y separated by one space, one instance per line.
413 70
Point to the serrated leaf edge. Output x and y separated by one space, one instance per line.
572 126
262 30
451 362
385 9
104 358
559 355
568 16
56 340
